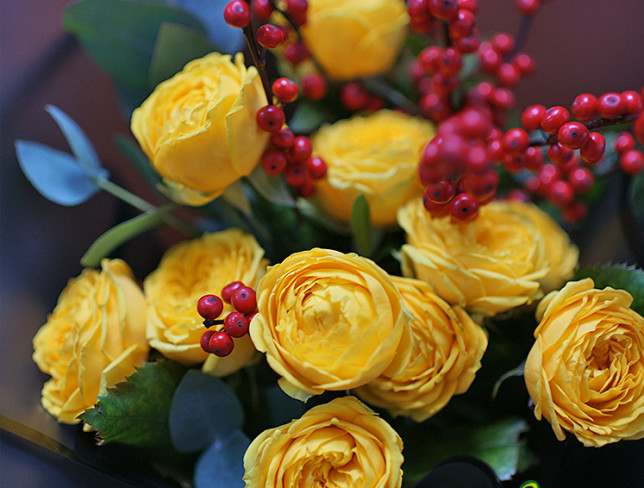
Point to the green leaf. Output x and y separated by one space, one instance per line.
222 464
135 412
306 118
132 151
120 35
196 419
175 46
55 174
622 277
122 233
636 195
235 195
272 188
496 444
361 225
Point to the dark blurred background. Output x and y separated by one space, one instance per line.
579 45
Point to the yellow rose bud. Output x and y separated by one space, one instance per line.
327 321
93 339
447 347
585 372
489 265
340 443
376 155
355 39
198 128
188 271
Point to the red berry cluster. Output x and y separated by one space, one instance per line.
355 97
457 166
573 147
498 58
220 341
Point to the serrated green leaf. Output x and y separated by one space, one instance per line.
55 174
361 225
622 277
496 444
196 418
135 412
174 47
122 233
120 35
222 464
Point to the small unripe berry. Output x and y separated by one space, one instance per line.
210 307
244 299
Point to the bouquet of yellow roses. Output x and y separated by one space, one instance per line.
374 285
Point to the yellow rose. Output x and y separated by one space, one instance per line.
585 372
327 321
188 271
341 443
487 266
561 254
93 339
446 353
198 128
355 39
376 155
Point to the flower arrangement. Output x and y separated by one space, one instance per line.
374 284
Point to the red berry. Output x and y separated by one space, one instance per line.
220 344
354 96
533 158
503 43
274 161
313 86
559 154
296 53
525 63
502 98
561 193
295 7
513 164
417 8
471 5
229 289
301 149
205 339
593 151
575 211
554 118
527 7
508 74
435 107
270 36
270 118
610 105
263 9
440 192
236 324
477 159
428 58
210 307
443 9
632 102
515 141
473 123
285 90
435 209
237 13
489 58
481 186
584 107
638 128
581 179
624 142
463 24
444 83
495 150
632 162
450 61
244 299
573 135
307 189
531 117
295 174
317 167
283 138
469 44
463 207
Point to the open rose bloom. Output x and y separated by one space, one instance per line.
585 372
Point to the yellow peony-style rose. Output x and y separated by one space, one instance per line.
585 372
93 339
355 39
492 264
328 321
198 128
376 155
188 271
447 347
341 443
